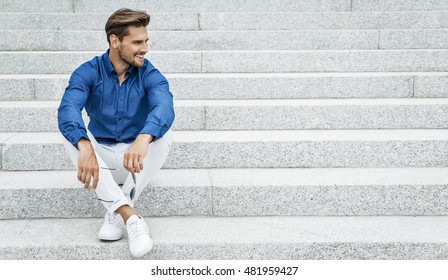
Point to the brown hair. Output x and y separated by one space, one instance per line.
119 21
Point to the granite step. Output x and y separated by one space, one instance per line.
290 238
90 21
254 86
399 5
274 114
266 20
238 192
325 61
37 40
159 6
60 62
324 21
44 40
86 6
257 149
414 39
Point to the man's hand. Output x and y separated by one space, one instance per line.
133 158
87 164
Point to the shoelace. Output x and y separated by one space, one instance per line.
136 229
113 219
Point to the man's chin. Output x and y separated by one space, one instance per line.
139 64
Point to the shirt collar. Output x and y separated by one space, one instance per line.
131 70
110 69
107 64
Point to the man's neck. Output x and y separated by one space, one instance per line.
119 65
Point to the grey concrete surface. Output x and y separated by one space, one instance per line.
414 39
58 194
194 40
325 61
90 21
82 6
264 20
61 62
431 86
279 114
36 6
246 86
398 5
324 21
273 149
238 192
236 238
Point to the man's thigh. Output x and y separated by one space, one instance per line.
113 157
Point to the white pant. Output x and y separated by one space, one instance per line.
112 173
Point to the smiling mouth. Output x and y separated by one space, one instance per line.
141 56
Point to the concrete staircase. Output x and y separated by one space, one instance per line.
305 130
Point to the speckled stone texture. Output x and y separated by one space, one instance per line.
241 149
325 21
211 40
318 61
243 86
413 39
36 6
309 149
66 62
42 116
330 191
267 40
16 88
326 114
331 200
238 192
77 21
50 87
260 114
3 137
36 40
232 40
190 115
305 129
34 151
289 85
398 5
46 194
237 238
431 85
31 117
83 6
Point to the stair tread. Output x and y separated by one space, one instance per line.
259 136
224 230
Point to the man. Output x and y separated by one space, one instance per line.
129 136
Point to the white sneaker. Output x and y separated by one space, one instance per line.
138 234
112 228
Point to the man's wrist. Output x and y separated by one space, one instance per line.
83 143
145 137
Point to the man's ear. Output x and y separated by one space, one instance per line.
113 41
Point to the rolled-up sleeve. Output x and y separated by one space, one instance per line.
161 108
70 120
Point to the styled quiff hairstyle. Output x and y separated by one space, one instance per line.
119 21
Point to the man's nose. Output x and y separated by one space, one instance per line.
145 48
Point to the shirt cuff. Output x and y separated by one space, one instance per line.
152 129
74 136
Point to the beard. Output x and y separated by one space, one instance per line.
130 60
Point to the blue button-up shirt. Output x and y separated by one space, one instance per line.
143 104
